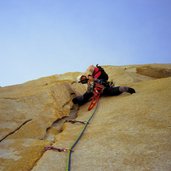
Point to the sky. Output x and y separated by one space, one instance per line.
40 38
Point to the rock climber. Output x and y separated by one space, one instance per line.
98 75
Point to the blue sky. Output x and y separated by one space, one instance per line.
45 37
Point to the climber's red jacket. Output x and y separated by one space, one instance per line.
96 74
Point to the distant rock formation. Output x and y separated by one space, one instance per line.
128 132
155 70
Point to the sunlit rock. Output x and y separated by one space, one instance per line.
128 132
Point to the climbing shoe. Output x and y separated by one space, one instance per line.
131 90
78 100
75 100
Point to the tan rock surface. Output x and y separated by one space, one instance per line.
155 70
128 132
26 113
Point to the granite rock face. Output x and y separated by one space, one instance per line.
128 132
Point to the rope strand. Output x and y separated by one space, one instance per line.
68 165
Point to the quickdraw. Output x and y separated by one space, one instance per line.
68 164
76 121
98 89
57 149
95 99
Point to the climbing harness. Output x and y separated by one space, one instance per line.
98 89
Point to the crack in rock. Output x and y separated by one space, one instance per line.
13 132
65 104
57 126
10 98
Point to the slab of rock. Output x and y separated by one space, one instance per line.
155 70
27 112
128 132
